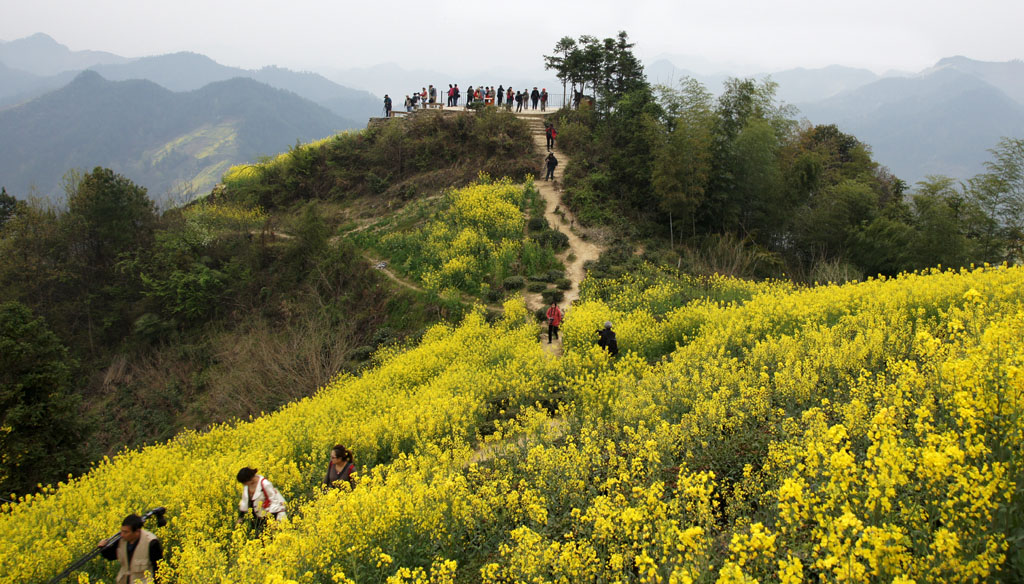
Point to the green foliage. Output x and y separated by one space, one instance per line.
552 296
110 215
513 283
536 287
40 428
8 206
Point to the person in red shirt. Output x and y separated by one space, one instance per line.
554 315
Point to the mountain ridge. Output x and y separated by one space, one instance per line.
124 125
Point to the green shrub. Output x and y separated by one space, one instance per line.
563 283
540 278
538 224
513 283
537 287
550 296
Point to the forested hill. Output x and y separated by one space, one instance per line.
167 141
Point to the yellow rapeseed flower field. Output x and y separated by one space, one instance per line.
869 432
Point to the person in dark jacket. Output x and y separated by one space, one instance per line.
606 339
387 106
340 468
552 162
535 97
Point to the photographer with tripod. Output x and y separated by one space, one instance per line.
138 550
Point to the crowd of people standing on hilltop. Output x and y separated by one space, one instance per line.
487 95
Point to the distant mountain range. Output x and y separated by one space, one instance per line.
170 142
34 65
942 120
172 123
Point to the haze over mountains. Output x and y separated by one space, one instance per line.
942 120
939 121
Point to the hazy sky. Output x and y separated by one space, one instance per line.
466 35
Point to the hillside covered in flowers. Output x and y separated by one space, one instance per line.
868 432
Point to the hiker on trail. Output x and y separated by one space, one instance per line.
387 106
606 339
551 162
544 99
554 315
259 496
138 551
433 94
535 97
550 134
340 468
501 94
519 101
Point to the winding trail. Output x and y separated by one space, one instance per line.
562 219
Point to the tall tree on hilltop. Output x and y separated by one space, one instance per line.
564 47
682 164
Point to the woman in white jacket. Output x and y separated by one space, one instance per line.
259 495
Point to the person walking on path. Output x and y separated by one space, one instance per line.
260 497
606 339
535 97
551 162
550 134
387 106
554 315
340 467
138 551
544 99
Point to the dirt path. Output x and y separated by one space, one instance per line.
562 219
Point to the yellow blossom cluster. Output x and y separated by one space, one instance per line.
470 244
869 432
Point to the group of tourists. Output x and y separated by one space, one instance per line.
501 97
139 550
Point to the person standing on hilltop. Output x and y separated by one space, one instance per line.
433 94
423 98
456 96
469 96
408 103
501 93
508 99
519 101
551 162
554 315
535 97
387 106
544 99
